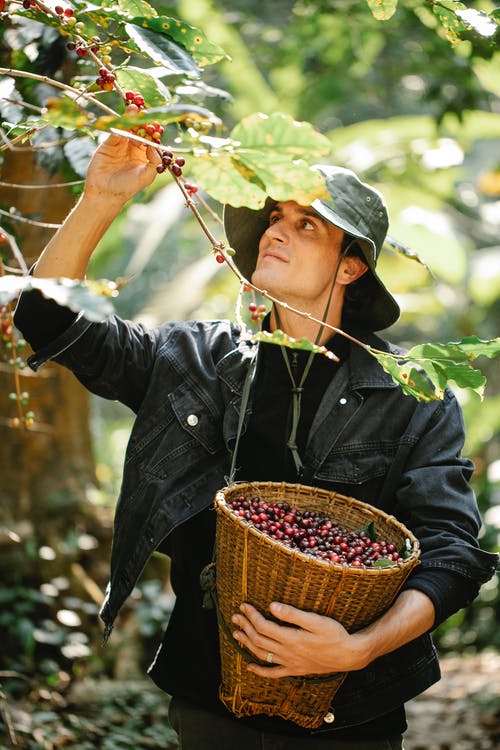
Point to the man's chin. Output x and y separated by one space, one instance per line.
266 281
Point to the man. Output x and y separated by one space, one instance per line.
345 427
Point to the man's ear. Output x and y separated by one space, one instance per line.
351 269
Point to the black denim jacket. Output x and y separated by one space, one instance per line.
368 440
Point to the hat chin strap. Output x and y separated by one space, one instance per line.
298 388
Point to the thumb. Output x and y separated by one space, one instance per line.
287 613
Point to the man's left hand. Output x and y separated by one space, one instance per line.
315 645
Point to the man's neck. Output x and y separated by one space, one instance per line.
298 326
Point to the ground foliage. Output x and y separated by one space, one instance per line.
462 712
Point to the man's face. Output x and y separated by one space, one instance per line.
298 256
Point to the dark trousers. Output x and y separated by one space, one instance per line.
200 730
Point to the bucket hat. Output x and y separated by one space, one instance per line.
355 207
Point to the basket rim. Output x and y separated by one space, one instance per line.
220 503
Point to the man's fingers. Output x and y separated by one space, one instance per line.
306 620
260 623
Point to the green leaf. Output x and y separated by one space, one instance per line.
442 364
189 37
137 8
406 550
406 252
466 350
222 178
446 13
382 10
272 154
155 93
218 174
282 339
161 50
369 530
163 115
412 380
65 113
277 150
383 562
465 376
89 297
280 133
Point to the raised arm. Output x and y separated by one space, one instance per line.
118 170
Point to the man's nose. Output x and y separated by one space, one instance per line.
276 231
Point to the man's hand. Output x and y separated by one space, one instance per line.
321 645
119 168
316 645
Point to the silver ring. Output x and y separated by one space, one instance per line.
269 657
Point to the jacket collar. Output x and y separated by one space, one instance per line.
364 370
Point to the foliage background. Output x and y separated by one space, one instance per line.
415 115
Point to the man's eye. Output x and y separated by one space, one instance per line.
274 219
306 224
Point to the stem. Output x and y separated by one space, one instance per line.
15 252
37 187
15 217
15 368
9 144
209 210
59 85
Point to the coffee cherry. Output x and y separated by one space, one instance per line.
68 12
313 533
106 80
59 10
190 188
219 258
176 170
26 4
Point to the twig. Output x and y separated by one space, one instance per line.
57 84
15 252
17 186
33 222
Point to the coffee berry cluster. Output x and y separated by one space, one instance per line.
313 533
168 161
106 80
257 312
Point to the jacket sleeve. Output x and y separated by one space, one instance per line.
436 501
113 359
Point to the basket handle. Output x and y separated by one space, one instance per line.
210 601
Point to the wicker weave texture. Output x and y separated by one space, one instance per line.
252 567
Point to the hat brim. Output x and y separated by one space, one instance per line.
245 226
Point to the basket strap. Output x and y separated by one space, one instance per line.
210 601
241 417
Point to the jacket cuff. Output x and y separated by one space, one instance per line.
61 343
448 591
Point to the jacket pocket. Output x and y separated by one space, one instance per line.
184 423
357 464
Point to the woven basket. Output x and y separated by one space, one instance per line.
252 567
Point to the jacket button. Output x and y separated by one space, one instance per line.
192 420
329 718
343 401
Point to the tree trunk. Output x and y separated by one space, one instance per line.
45 469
